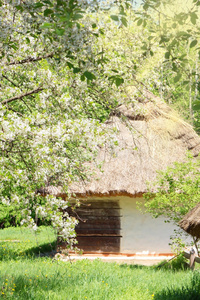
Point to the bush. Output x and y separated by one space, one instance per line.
176 264
9 215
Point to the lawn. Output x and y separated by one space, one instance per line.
26 275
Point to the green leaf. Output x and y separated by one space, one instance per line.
48 2
94 25
114 17
193 43
77 17
164 39
193 18
139 22
101 31
167 55
70 65
185 35
172 44
28 40
124 21
145 6
89 75
119 81
82 77
48 12
196 105
144 47
76 70
46 25
38 4
14 45
177 77
182 57
60 31
19 7
122 12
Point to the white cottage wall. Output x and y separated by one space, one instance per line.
140 232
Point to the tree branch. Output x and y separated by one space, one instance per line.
9 80
30 59
22 95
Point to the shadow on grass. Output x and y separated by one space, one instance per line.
17 250
178 295
41 249
189 292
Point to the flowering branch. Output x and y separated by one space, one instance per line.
4 76
22 95
30 59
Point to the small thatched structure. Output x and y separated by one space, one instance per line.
151 136
191 222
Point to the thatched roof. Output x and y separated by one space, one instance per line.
151 137
191 222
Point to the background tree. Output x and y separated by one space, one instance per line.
177 192
174 31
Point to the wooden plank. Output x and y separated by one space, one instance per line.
98 234
100 204
96 212
101 218
104 223
187 255
108 231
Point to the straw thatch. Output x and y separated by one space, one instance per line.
151 138
191 222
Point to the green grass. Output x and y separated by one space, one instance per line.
19 242
25 275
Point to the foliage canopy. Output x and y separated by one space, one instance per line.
177 191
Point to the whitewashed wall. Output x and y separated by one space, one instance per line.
140 232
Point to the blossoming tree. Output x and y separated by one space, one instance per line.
53 98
